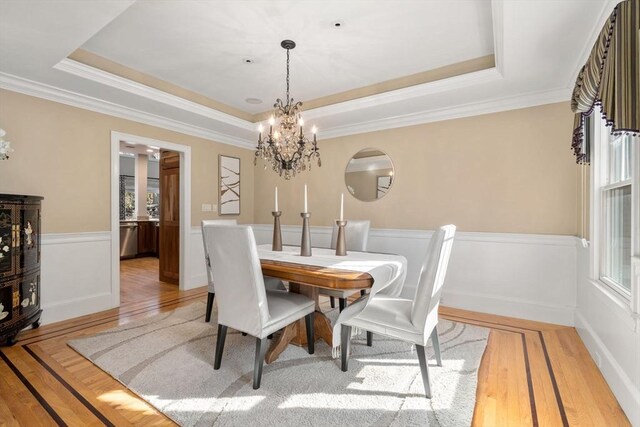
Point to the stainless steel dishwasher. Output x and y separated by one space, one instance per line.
128 239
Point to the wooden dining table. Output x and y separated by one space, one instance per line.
307 280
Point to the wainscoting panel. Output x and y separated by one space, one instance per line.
75 275
611 333
520 275
196 273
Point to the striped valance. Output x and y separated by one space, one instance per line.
610 78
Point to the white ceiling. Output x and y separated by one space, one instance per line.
201 45
539 47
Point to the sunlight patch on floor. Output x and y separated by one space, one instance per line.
336 401
123 400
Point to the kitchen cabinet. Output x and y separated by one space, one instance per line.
147 238
19 264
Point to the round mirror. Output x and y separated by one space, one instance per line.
369 174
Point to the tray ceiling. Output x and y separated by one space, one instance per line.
536 48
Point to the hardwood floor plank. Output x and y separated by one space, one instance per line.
517 372
18 406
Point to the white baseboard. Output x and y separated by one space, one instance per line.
622 386
512 307
68 309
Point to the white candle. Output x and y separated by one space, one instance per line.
342 207
305 198
276 199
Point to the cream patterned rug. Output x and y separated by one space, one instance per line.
167 360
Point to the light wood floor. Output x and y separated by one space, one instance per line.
531 373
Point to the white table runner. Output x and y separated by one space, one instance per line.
388 272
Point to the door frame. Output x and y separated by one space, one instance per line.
185 204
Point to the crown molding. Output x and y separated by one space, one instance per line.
424 89
100 76
474 109
52 93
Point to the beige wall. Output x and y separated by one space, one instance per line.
505 172
63 154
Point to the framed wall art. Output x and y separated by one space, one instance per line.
229 183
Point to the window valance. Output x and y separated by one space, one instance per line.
610 78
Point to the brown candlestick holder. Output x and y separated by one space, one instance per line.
305 245
341 245
277 233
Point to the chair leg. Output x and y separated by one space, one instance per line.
435 340
369 339
261 348
210 298
222 334
343 303
345 346
308 320
362 292
332 301
424 369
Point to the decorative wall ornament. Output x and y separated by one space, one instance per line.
229 170
285 148
5 146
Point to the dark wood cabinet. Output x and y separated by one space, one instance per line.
147 238
19 264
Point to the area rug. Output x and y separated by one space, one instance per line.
167 360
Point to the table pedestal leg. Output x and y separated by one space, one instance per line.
296 333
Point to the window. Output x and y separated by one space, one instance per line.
615 235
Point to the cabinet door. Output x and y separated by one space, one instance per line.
29 242
6 302
8 238
29 294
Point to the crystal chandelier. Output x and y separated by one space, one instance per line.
285 148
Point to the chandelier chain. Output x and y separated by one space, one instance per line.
288 76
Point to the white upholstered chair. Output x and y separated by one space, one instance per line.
413 320
270 282
356 237
211 291
243 302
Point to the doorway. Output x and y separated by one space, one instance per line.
137 238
